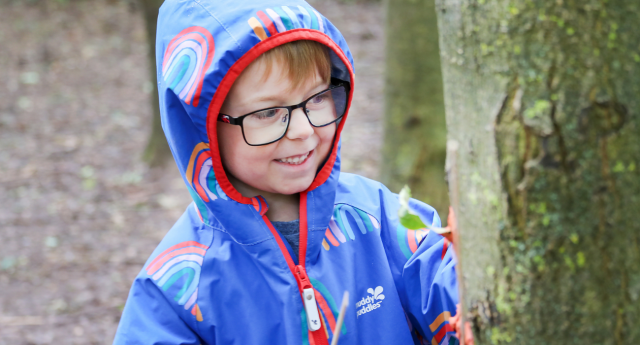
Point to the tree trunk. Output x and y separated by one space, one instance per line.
415 133
543 101
157 151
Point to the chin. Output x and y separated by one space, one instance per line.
293 188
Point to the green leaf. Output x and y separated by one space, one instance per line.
407 218
411 221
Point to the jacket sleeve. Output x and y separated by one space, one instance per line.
148 318
423 265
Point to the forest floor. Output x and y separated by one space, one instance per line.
79 212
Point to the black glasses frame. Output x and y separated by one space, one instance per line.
237 121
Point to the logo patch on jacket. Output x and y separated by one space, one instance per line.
370 303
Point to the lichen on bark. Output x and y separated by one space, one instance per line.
543 97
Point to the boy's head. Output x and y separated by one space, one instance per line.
263 154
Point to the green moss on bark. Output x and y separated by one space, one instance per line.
544 98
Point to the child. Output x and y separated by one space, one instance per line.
254 96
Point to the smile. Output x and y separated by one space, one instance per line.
295 160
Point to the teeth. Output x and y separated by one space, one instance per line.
295 160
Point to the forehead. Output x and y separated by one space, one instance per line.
264 82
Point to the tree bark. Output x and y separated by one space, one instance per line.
157 150
415 133
543 101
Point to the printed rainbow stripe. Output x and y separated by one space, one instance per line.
186 60
445 246
439 320
202 179
182 261
272 21
443 328
445 333
410 239
201 176
328 307
449 339
340 228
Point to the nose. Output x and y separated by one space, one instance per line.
299 126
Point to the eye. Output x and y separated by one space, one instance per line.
318 99
266 114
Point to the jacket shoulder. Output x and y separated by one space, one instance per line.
162 302
175 265
367 195
188 228
354 188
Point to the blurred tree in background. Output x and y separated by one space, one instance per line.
415 133
543 104
157 150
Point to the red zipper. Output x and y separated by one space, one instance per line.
309 300
314 322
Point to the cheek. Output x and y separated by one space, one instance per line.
238 158
232 147
229 139
326 134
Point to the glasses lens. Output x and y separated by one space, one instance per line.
265 126
327 107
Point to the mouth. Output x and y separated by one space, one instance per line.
295 160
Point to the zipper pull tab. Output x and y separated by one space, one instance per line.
309 299
310 306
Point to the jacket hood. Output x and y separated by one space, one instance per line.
202 46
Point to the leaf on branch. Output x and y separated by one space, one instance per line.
409 219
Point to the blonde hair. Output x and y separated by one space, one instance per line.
300 59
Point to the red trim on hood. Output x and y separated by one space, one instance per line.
232 75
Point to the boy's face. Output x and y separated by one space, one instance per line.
273 168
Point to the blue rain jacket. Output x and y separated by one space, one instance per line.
223 274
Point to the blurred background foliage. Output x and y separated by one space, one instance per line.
415 135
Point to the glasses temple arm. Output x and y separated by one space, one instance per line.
230 120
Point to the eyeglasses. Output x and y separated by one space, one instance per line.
266 126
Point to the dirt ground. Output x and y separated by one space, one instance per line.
79 212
